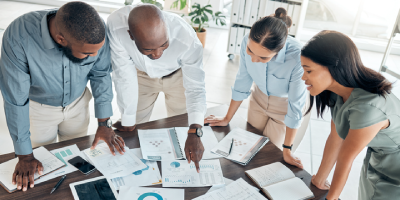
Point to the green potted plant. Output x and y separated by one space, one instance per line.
200 17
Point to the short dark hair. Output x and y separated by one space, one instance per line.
272 31
340 55
82 22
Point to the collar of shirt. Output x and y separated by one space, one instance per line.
46 37
280 56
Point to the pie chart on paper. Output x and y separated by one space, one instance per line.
150 196
175 164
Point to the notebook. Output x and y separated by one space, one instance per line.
279 183
240 146
169 143
49 161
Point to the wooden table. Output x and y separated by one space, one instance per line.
269 154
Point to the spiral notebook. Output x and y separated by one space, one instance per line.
244 147
49 161
169 143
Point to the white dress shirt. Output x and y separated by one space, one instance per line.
185 51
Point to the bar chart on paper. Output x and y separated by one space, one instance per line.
62 154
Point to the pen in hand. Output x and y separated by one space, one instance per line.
58 184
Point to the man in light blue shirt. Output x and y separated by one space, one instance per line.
47 58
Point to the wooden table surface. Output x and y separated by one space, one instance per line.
269 154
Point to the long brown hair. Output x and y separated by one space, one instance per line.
340 55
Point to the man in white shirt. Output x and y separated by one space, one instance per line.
154 51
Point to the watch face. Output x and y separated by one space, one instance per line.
199 132
109 123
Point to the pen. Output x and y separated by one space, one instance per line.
230 149
58 184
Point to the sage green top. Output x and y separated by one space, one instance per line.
380 175
364 109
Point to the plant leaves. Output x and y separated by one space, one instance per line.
183 4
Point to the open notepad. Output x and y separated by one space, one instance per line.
49 161
169 143
279 183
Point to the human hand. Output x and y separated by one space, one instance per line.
216 121
119 127
291 159
194 150
108 136
25 170
319 183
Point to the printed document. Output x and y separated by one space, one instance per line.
114 166
64 154
237 190
143 193
144 177
179 173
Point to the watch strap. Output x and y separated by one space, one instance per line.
287 147
193 130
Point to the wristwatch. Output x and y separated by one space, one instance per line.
287 147
196 131
106 123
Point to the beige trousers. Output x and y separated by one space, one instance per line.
48 122
149 88
267 113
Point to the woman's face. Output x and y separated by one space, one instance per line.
317 77
259 53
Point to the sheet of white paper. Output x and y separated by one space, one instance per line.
244 142
237 190
144 177
6 172
178 173
49 161
155 143
208 139
227 182
64 154
142 193
75 194
114 166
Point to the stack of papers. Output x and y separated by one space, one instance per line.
237 190
245 146
49 161
169 143
141 193
144 177
114 166
64 154
177 173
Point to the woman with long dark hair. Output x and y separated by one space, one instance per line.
364 114
270 59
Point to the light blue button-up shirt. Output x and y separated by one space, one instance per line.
32 66
280 77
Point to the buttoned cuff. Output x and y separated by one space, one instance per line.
128 120
23 148
239 96
292 123
196 118
103 110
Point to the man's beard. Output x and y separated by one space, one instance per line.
68 52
